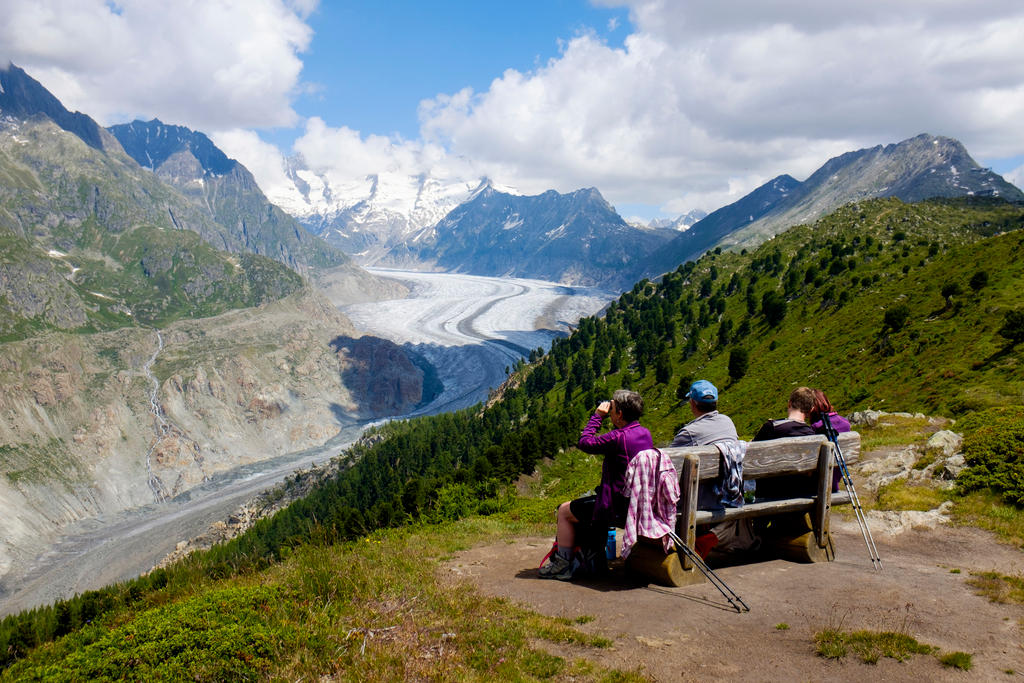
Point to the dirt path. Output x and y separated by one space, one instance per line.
691 633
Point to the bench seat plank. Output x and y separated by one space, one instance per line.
766 508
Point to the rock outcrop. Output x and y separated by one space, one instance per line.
88 425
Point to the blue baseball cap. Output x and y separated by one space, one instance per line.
703 391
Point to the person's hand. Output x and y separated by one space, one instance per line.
604 408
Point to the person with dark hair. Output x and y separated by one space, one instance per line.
584 522
823 407
799 407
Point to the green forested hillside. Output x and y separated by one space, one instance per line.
882 304
145 275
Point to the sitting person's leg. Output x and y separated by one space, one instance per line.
572 523
566 526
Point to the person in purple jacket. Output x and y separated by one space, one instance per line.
584 521
822 406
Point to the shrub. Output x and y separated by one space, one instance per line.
949 290
683 390
994 453
956 660
895 318
228 634
739 361
773 306
1013 327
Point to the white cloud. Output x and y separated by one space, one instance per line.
701 103
1016 176
207 65
263 159
705 101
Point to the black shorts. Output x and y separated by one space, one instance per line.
583 509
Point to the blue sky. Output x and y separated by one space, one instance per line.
375 61
663 105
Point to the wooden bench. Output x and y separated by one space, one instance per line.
799 528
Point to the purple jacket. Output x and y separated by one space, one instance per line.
838 422
618 447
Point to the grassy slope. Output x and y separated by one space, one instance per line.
372 609
946 360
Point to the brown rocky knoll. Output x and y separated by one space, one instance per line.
692 633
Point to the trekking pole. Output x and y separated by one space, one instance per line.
712 577
858 511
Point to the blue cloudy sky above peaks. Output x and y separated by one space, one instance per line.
663 105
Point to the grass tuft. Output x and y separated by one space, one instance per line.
1000 588
902 495
869 646
956 660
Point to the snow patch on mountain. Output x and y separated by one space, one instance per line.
368 216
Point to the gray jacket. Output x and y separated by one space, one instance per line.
706 430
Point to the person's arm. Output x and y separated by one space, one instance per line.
590 441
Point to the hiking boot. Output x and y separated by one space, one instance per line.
558 567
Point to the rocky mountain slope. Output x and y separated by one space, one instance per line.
574 238
919 168
91 242
144 346
226 190
93 424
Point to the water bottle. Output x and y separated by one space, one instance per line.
609 548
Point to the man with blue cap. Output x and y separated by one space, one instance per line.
711 428
708 426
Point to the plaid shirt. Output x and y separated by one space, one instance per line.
653 488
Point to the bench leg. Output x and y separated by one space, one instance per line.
793 538
648 559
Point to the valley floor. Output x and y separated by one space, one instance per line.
470 327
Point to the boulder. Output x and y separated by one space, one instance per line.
952 467
943 444
893 467
895 522
868 418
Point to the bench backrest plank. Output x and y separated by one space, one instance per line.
770 458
